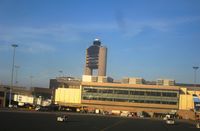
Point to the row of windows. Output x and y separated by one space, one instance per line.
128 100
126 92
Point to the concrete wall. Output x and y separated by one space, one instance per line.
186 101
87 78
23 99
68 95
102 61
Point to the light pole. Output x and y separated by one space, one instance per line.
16 71
195 72
31 80
13 63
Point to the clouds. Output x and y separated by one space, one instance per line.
46 38
57 34
51 47
130 28
36 47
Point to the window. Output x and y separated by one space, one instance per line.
106 91
89 98
153 93
90 90
169 94
137 92
121 92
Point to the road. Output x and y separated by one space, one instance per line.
28 121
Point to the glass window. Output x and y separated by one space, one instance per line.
137 92
153 93
169 94
106 91
120 100
121 92
91 90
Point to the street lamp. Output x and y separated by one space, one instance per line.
16 71
13 63
195 72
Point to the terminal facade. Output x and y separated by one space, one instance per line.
130 97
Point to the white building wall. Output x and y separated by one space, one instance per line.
23 98
68 95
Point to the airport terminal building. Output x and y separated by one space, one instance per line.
130 94
100 92
130 97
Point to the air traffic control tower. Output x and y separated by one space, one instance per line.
96 57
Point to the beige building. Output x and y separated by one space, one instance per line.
68 96
187 97
100 79
133 80
131 97
96 58
166 82
133 94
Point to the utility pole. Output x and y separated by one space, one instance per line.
195 74
16 75
13 63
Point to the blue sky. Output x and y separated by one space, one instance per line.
145 38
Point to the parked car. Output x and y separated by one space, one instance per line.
62 118
170 121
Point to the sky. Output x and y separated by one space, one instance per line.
151 39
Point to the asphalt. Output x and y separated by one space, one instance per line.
46 121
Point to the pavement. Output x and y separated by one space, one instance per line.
11 120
